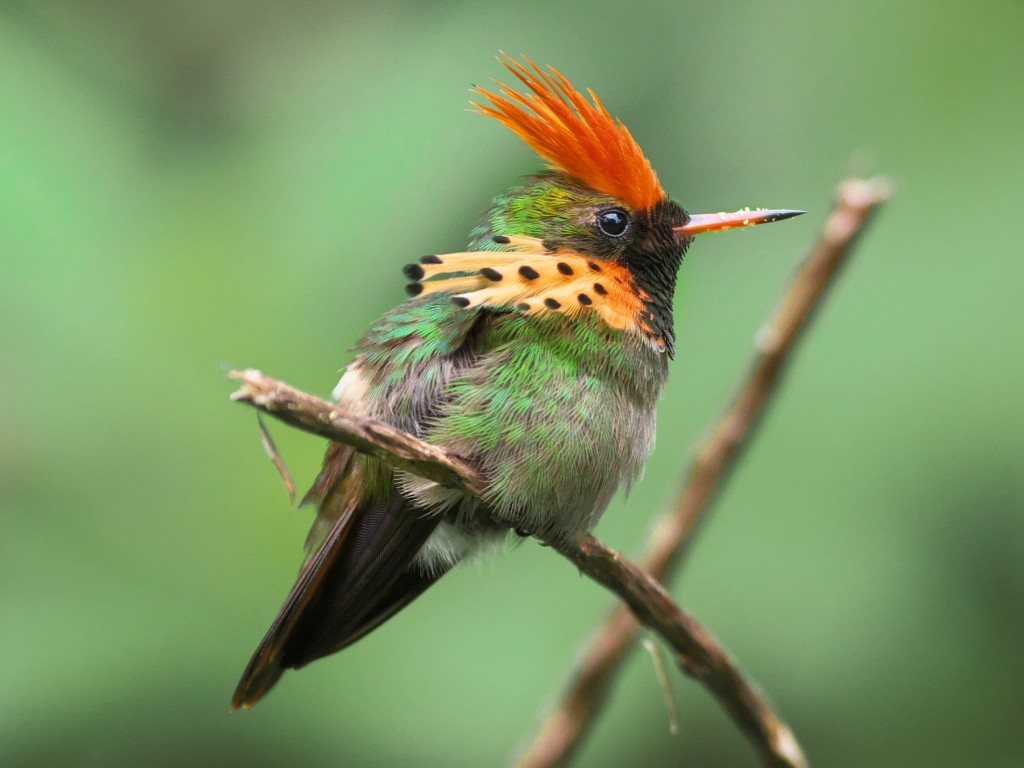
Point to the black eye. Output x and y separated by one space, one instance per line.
613 222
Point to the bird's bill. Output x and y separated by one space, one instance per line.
700 223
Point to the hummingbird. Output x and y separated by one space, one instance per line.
538 355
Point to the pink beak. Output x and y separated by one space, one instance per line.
719 222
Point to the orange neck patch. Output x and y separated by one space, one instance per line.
534 280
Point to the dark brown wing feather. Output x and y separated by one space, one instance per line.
357 574
354 581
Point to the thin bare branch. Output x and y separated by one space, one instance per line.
664 681
591 681
694 646
698 653
270 448
374 438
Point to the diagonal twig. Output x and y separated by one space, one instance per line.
696 649
697 652
375 438
591 680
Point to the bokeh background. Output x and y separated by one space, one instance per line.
186 187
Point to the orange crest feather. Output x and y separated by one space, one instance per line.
574 135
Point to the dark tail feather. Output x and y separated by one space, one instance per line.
408 587
355 581
256 682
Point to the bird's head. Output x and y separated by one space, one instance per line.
618 237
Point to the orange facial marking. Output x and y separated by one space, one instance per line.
535 281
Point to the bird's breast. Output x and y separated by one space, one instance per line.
558 415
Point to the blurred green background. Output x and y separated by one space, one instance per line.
186 187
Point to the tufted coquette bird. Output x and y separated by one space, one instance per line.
537 355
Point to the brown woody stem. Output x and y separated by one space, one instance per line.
647 601
591 680
700 652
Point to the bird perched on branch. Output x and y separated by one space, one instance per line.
538 355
